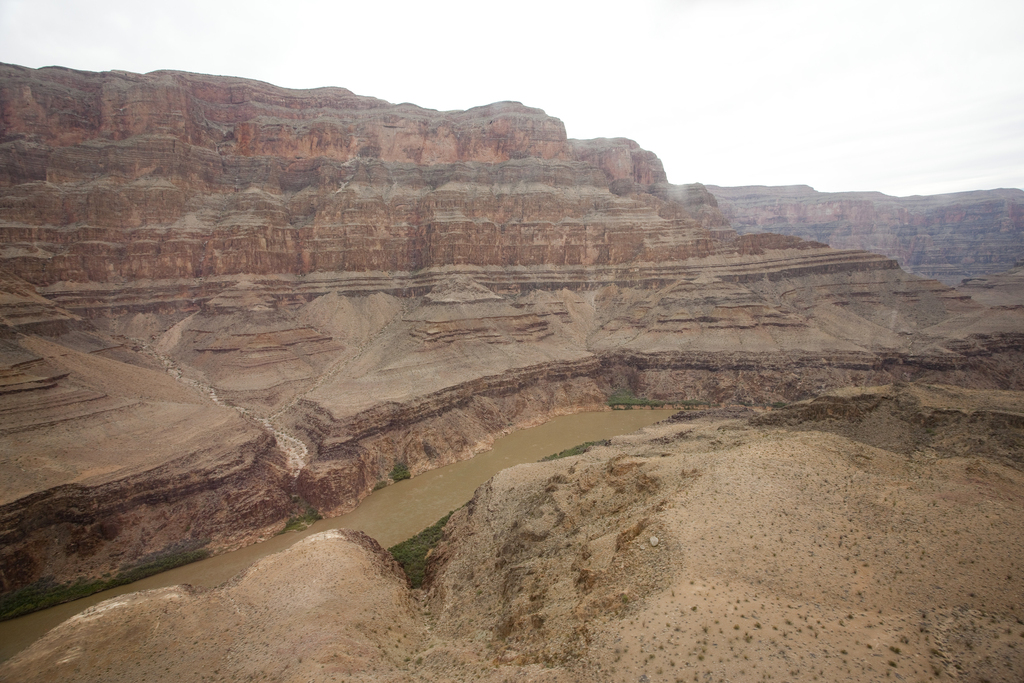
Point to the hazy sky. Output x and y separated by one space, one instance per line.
911 97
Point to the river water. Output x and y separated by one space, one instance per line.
389 515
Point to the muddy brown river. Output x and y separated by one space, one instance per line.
390 515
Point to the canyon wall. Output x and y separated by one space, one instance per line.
116 177
947 237
221 299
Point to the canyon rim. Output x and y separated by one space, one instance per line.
224 300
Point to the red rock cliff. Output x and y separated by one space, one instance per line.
116 176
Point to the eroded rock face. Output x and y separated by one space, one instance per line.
948 237
541 593
115 176
108 462
815 530
249 294
1004 289
910 418
255 242
764 534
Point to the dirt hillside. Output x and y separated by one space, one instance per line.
852 537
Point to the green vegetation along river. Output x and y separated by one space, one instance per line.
390 515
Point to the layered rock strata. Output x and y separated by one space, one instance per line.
112 177
1004 289
948 237
856 536
220 296
106 463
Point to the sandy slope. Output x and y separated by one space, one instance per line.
783 552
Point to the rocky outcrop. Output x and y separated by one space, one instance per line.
22 309
1004 289
57 107
626 166
74 530
348 583
910 418
245 292
656 551
947 237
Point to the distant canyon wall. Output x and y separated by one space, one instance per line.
949 237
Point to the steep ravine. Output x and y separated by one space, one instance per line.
292 446
366 381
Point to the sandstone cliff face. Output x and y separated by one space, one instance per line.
947 237
59 107
149 203
249 293
115 176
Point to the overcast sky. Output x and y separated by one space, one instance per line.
912 97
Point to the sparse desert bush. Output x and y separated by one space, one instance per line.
575 450
301 522
624 398
400 471
412 554
47 592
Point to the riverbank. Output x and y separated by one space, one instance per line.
859 536
389 515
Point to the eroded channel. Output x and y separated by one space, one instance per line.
389 515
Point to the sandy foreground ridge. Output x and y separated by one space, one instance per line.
865 535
